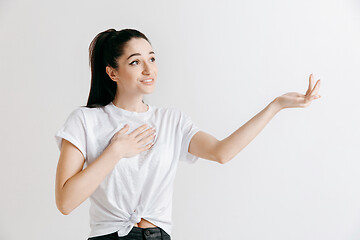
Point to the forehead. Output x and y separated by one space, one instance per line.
137 45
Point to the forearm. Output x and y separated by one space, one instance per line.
80 186
229 147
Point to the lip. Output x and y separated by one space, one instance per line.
147 79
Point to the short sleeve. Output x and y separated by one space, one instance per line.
188 130
73 130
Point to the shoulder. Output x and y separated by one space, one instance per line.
88 112
83 114
76 113
174 114
79 112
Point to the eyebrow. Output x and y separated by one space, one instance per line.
134 54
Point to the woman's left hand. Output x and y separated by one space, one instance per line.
295 100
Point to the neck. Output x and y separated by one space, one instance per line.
132 104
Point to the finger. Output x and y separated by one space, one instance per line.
148 146
312 97
138 130
124 129
147 139
315 90
311 84
145 134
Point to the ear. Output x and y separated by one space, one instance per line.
112 73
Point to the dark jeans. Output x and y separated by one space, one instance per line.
136 233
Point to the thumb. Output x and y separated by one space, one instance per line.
124 129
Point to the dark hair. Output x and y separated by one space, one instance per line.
104 50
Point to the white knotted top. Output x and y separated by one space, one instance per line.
144 181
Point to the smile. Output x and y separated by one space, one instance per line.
147 81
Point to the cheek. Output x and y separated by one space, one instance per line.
155 67
131 74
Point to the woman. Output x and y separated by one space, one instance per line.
130 169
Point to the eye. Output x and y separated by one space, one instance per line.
133 62
138 61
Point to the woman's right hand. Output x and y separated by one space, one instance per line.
128 145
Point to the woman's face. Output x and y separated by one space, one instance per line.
135 65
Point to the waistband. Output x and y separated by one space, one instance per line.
153 232
145 233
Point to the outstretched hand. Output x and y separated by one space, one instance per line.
294 99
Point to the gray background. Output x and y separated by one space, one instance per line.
221 62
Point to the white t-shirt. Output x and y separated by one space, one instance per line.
140 186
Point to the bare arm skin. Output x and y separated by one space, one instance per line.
206 146
70 192
229 147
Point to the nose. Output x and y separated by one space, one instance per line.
147 69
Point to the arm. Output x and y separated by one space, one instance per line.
74 185
229 147
206 146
